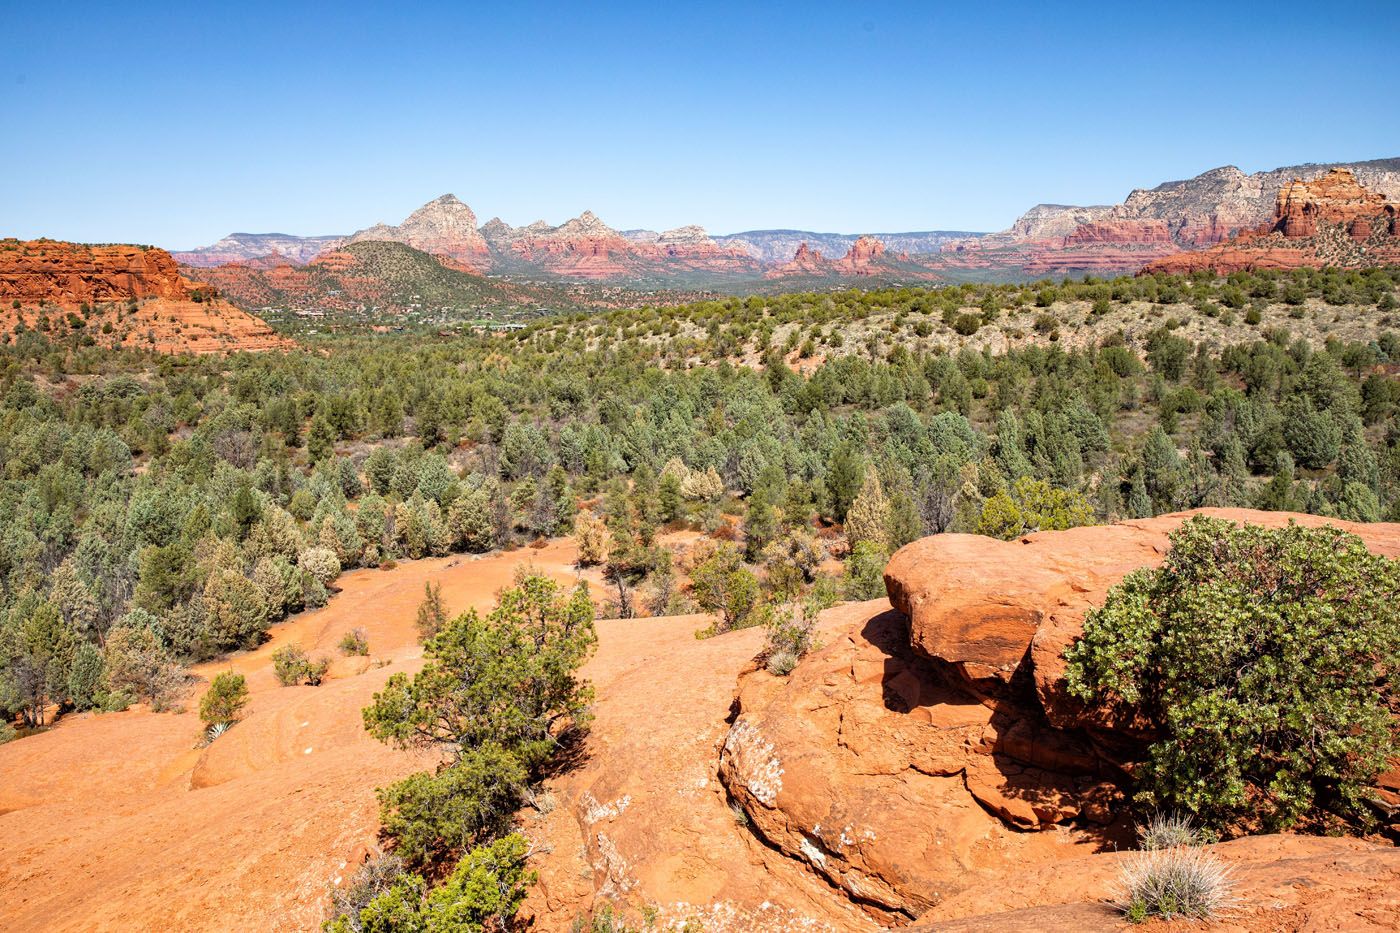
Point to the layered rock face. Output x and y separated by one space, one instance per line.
68 274
1336 198
1334 220
135 297
955 706
1152 223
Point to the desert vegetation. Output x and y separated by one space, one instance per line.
161 510
498 698
1263 659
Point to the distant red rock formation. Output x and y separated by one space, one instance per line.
444 226
1335 198
1333 220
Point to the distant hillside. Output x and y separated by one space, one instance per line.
391 283
241 247
780 246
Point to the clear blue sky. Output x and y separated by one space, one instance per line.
175 124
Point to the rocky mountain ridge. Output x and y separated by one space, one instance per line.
1333 220
1151 223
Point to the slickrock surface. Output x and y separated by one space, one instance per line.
118 822
924 750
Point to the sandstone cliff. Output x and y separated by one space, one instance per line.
129 295
1333 220
1151 224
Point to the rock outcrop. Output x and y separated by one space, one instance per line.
131 296
955 706
866 257
1336 198
1333 221
70 274
1151 224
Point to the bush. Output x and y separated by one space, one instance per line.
495 698
224 702
138 668
865 571
355 642
439 815
789 636
292 667
321 563
375 877
1175 882
1258 654
723 585
967 324
593 539
483 893
1164 831
432 615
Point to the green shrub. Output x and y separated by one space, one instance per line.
1259 655
723 585
496 697
967 324
789 636
224 702
432 615
355 642
483 893
439 815
291 666
865 571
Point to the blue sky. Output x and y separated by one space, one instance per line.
175 124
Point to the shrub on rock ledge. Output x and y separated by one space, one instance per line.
1261 656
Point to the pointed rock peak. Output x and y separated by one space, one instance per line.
586 224
449 199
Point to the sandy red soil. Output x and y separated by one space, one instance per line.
118 822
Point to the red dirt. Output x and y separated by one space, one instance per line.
116 821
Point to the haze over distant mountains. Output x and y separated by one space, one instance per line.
446 226
1049 238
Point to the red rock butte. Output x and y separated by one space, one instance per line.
1332 221
164 311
